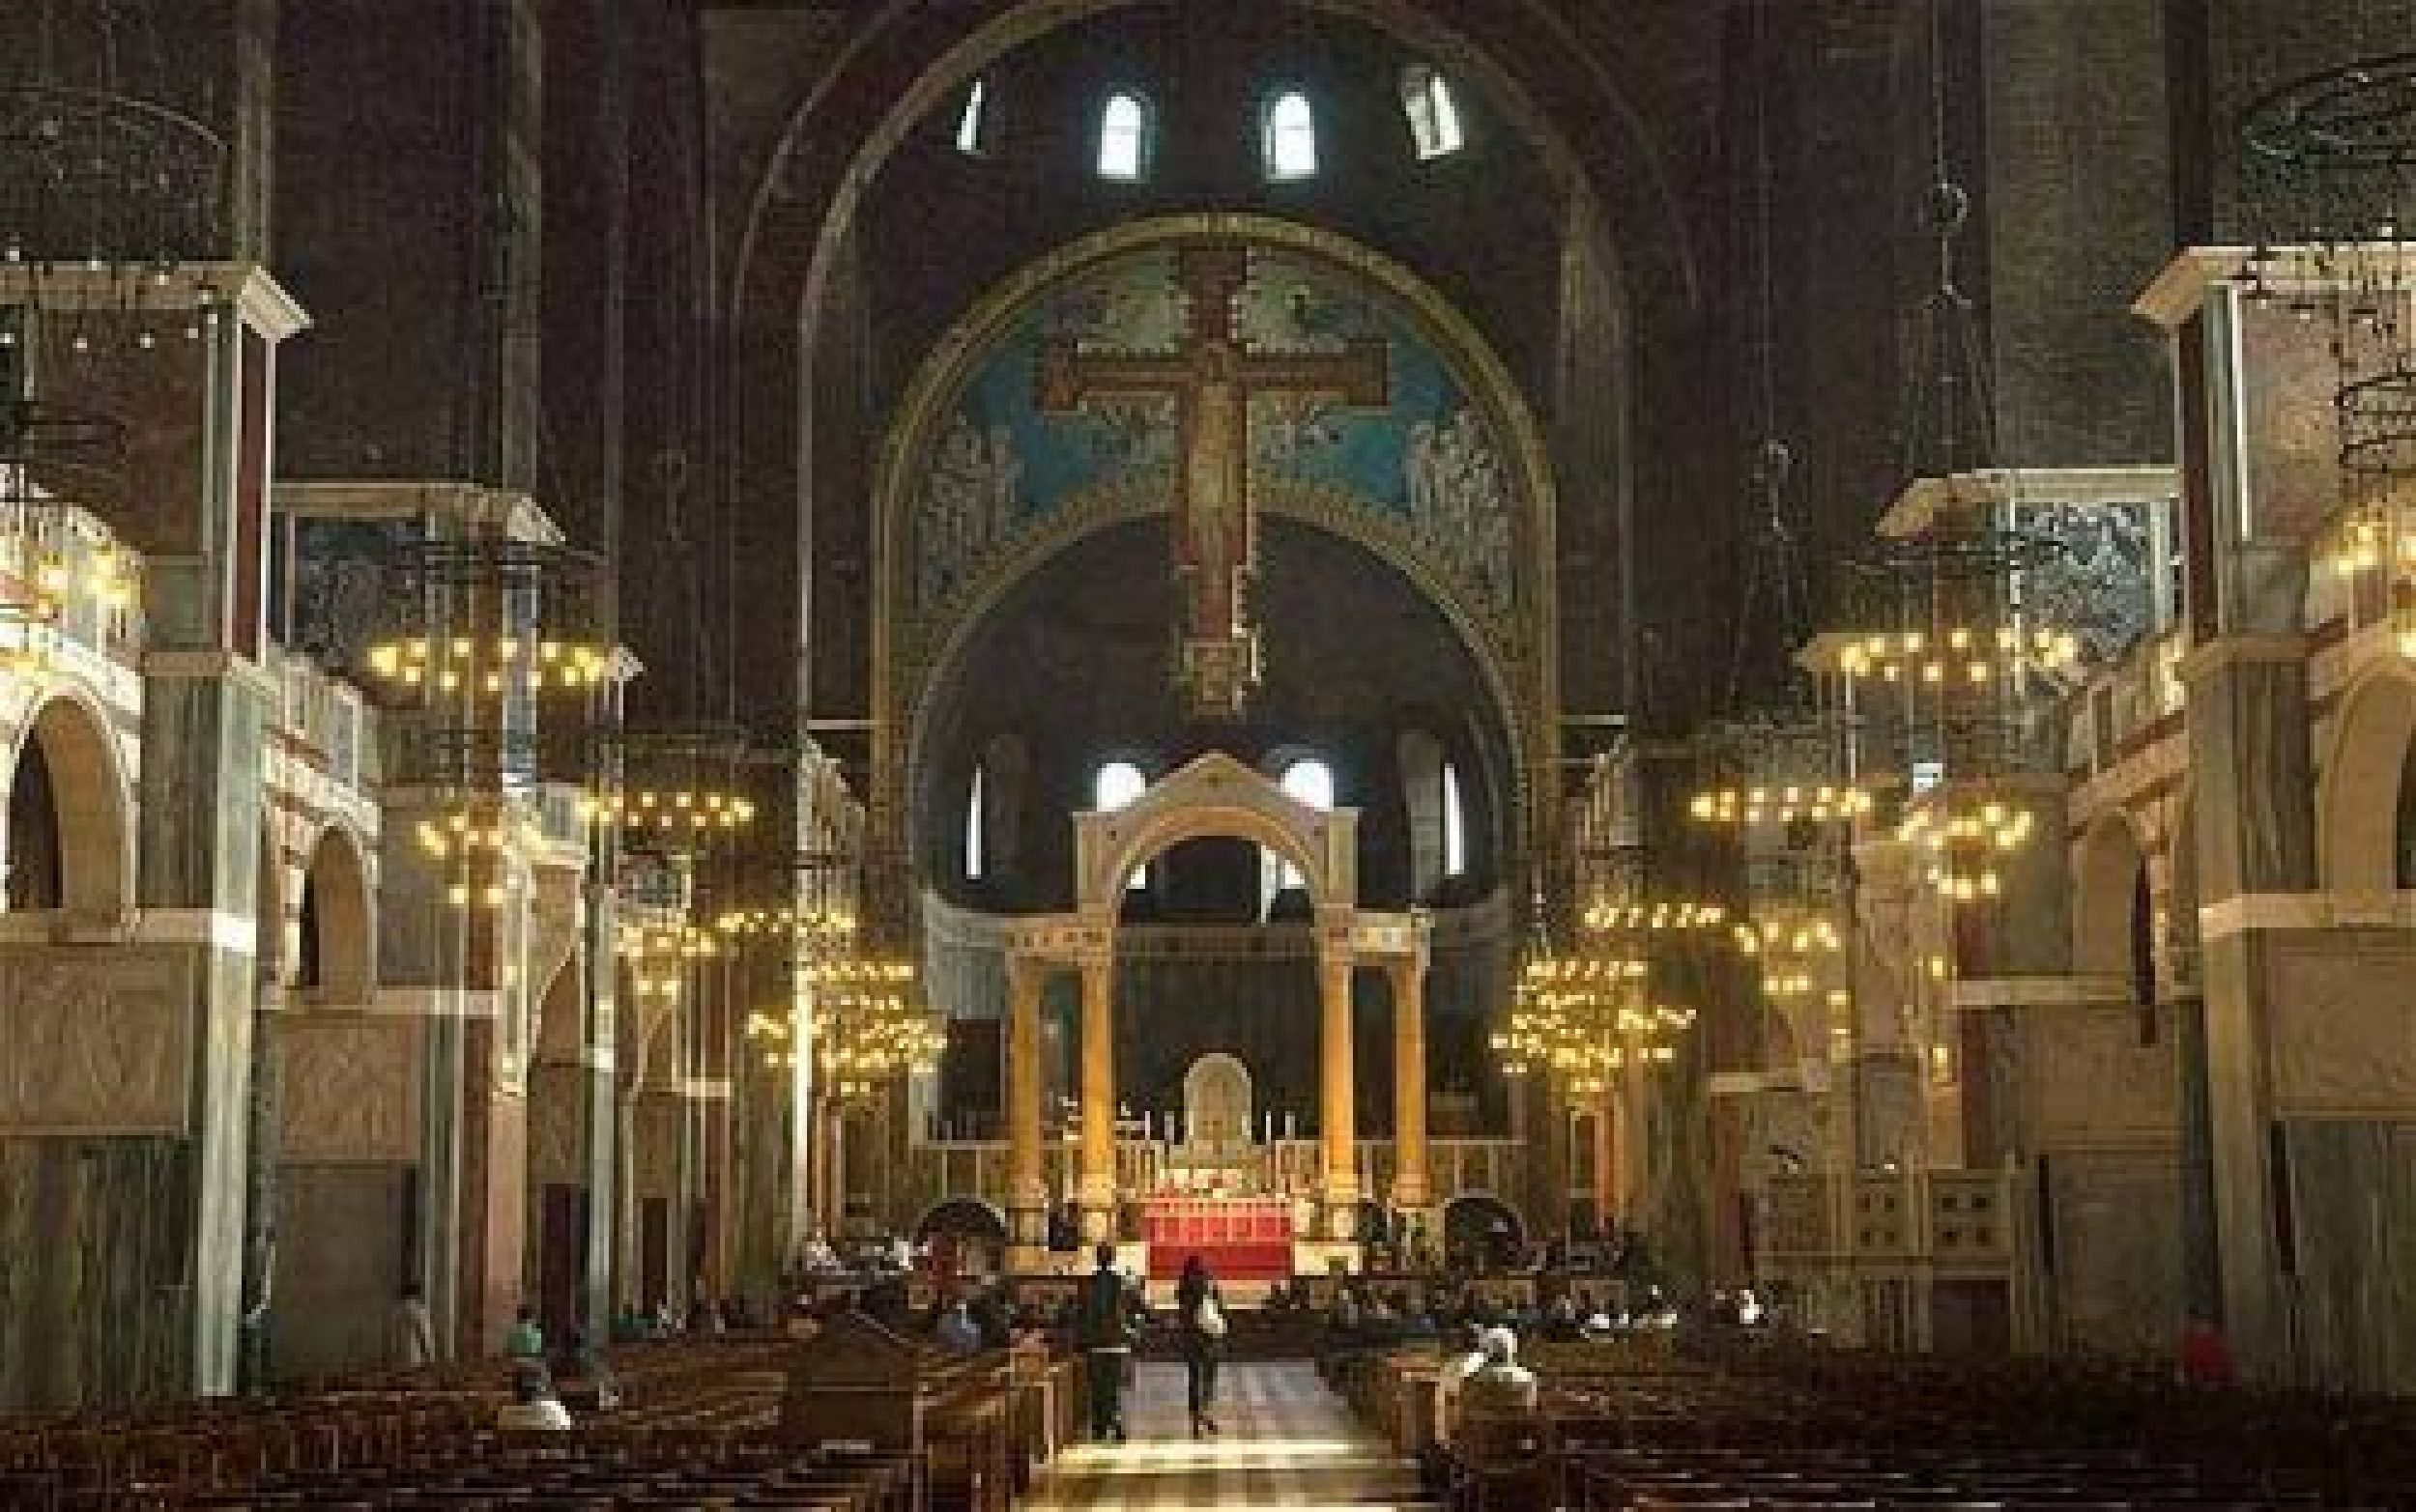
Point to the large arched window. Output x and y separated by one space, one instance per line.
973 121
1306 780
1115 786
1124 138
1433 114
974 857
1454 824
1292 137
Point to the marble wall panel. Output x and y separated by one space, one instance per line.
95 1297
353 1088
2114 1253
2342 1028
99 1043
2100 1074
339 1267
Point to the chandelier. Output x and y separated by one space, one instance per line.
871 1026
102 179
676 794
1580 1016
2328 167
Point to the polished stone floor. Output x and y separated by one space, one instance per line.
1287 1442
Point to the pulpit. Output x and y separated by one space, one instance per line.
860 1390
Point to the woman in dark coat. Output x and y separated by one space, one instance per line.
1200 1309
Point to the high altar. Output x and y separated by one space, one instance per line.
1214 1200
1250 1226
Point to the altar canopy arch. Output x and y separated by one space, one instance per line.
1215 795
1211 797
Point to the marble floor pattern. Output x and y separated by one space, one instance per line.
1287 1442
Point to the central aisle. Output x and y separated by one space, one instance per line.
1287 1442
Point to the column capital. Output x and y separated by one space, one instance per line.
1028 973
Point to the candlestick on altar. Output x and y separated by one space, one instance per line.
1291 1125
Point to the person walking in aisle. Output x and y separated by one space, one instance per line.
1106 1326
1199 1306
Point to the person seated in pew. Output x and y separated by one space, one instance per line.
955 1331
534 1406
994 1317
1562 1321
2206 1362
526 1340
631 1326
580 1375
1500 1387
1030 1328
1463 1356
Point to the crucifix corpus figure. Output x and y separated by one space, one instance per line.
1212 377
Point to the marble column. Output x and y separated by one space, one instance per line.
1413 1187
1027 1188
1099 1099
2254 822
1336 1106
1606 1158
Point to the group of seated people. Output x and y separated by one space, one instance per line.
706 1316
1366 1316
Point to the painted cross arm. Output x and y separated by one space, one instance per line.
1359 376
1069 375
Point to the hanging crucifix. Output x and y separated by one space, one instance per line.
1212 377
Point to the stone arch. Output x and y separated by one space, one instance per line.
2361 794
561 1016
963 1215
1212 796
1480 1217
1640 188
89 812
2111 868
335 955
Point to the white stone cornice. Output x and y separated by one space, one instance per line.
2040 992
2235 651
2255 913
259 300
2179 292
434 1002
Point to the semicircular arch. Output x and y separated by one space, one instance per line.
2104 896
342 909
1643 188
2361 789
91 799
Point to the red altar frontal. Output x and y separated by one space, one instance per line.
1242 1238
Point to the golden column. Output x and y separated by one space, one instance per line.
1027 1185
1336 1119
1413 1187
1099 1099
